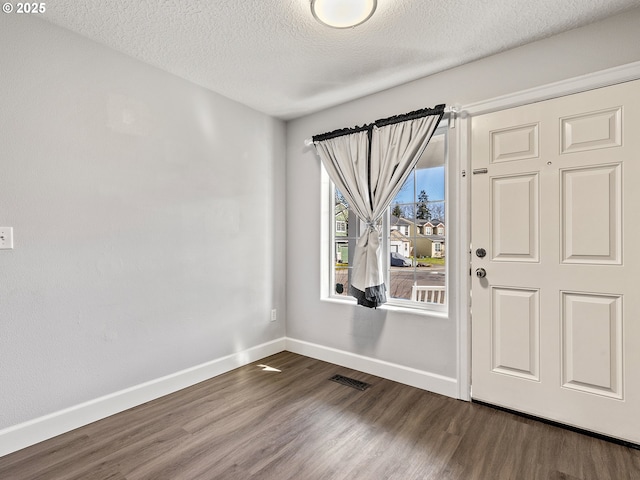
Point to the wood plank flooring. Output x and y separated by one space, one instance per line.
296 424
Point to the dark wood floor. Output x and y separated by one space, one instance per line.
295 424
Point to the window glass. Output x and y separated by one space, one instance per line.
344 237
414 232
418 205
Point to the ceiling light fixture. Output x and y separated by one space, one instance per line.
343 13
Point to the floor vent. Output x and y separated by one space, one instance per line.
350 382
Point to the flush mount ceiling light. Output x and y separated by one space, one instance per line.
343 13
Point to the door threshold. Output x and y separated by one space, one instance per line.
564 426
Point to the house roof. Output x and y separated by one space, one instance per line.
395 221
396 235
434 222
399 221
435 238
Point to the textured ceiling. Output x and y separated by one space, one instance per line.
273 56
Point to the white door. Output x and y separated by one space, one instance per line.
556 320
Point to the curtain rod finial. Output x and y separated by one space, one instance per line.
308 142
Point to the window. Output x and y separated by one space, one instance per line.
412 258
345 235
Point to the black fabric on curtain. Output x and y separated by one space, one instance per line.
369 165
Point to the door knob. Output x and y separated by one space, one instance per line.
481 272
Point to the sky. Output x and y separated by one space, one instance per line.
431 180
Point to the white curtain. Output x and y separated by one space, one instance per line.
369 165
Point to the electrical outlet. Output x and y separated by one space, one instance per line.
6 238
274 315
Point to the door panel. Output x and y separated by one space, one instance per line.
592 343
592 130
515 324
517 143
556 320
514 219
588 194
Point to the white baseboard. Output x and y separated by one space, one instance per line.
409 376
39 429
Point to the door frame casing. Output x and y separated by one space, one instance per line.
461 134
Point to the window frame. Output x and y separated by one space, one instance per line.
328 253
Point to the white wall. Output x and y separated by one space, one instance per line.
149 215
148 221
405 339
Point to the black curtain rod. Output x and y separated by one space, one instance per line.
437 110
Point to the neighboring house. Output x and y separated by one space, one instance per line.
400 243
433 227
342 227
428 235
403 225
430 246
432 241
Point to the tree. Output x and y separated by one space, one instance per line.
437 210
409 211
397 211
423 213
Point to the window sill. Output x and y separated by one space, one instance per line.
392 308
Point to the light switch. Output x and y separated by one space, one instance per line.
6 238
